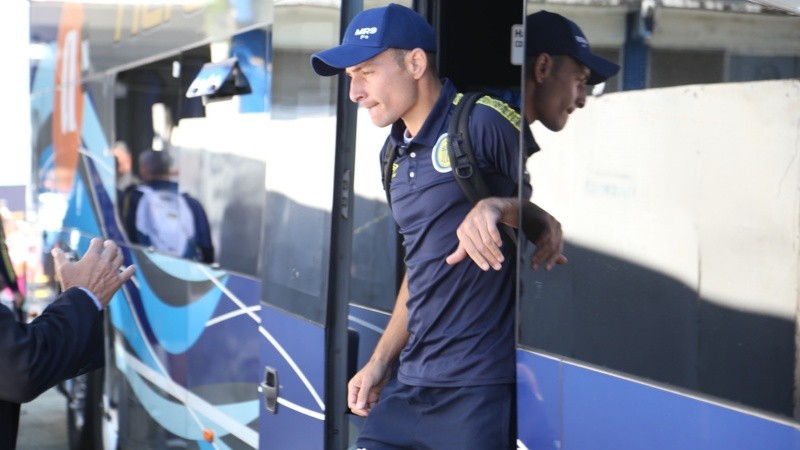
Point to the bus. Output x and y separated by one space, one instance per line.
673 325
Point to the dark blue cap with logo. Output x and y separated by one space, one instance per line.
371 32
554 34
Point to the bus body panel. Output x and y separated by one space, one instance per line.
294 349
568 405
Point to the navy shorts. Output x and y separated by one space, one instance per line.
425 418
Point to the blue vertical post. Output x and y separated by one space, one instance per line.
636 55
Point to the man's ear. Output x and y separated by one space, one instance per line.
417 62
542 66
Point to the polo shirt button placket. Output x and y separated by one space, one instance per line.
412 167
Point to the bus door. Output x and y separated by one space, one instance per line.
296 259
472 61
331 255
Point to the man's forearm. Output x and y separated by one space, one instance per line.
533 220
396 334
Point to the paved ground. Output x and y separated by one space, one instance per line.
43 423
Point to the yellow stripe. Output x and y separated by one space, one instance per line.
498 105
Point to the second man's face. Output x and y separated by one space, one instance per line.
561 91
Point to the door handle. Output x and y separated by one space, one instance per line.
269 389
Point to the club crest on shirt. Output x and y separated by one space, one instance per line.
439 156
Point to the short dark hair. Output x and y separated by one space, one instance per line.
157 162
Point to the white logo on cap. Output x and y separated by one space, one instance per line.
582 41
363 33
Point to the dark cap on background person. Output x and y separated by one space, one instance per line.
373 31
554 34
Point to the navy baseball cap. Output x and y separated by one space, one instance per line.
373 31
554 34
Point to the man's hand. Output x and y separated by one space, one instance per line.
479 237
545 231
98 271
365 387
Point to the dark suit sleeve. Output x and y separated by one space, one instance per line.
7 275
64 341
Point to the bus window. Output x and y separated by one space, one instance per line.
682 264
376 267
299 157
222 173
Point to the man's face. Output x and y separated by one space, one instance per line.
382 86
558 91
124 161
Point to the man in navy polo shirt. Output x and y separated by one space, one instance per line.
452 327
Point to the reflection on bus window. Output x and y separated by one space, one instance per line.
156 214
216 161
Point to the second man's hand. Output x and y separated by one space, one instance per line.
545 232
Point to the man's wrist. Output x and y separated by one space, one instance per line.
93 297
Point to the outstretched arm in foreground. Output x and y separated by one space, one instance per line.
67 338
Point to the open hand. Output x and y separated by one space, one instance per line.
99 271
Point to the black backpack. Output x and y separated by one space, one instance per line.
460 152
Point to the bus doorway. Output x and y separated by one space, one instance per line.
473 55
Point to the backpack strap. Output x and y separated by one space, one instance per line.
459 149
462 156
202 230
389 153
